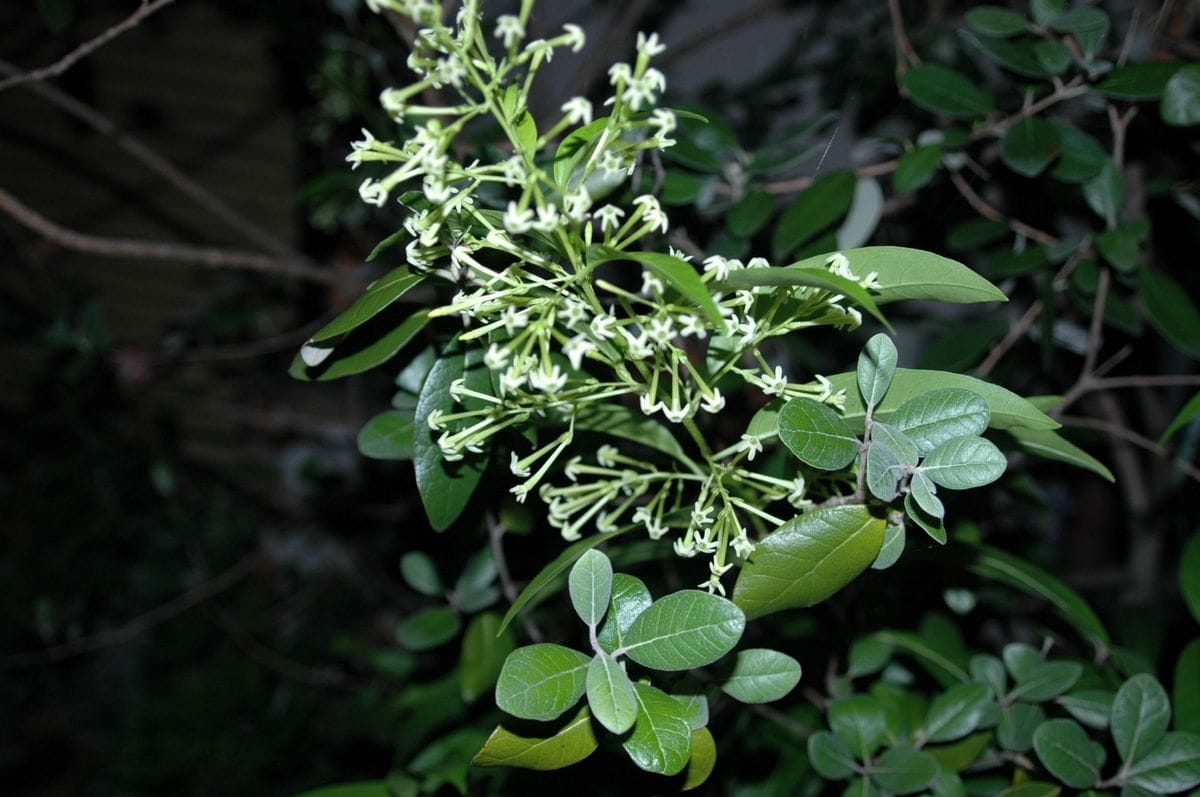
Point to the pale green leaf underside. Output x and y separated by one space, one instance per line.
610 694
540 682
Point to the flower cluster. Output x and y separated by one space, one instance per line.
523 241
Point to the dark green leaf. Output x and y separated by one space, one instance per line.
814 209
923 492
916 168
1144 81
800 275
483 654
1189 575
378 296
629 599
1120 248
683 630
1018 723
941 666
859 722
1046 11
540 682
475 587
1172 765
1171 310
574 742
1105 193
869 655
808 559
761 676
902 770
621 421
1140 715
989 670
996 21
942 90
901 444
388 435
610 694
1089 25
661 741
817 435
1020 56
750 214
345 360
1092 707
876 367
830 757
1181 97
428 629
938 416
421 574
957 712
1033 789
1053 56
1066 751
892 548
958 756
1021 659
1052 445
1081 158
963 463
1186 415
677 273
590 586
1185 696
931 525
1045 681
1030 145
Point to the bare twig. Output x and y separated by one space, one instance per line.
1070 89
1171 380
157 250
1119 431
496 532
1014 334
987 211
905 54
1096 328
1119 123
138 625
87 48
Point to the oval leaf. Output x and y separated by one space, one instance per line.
1181 97
629 599
483 654
1170 309
963 463
761 676
388 435
573 743
590 585
1067 752
860 723
902 770
1140 715
933 418
685 629
817 435
540 682
830 756
940 89
429 628
957 712
704 758
375 299
1173 765
813 210
1029 146
876 367
661 741
610 694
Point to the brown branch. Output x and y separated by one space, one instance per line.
138 625
496 532
157 250
1017 332
1072 88
1115 382
1119 431
87 48
987 211
905 54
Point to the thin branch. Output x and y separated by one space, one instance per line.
1119 431
987 211
496 532
139 151
1072 88
1096 328
87 48
138 625
905 54
157 250
1119 123
250 350
1015 334
1116 382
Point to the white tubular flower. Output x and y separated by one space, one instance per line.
514 171
577 204
655 529
540 47
871 281
719 570
638 346
799 489
685 548
713 585
638 93
578 111
650 46
758 262
514 466
547 218
373 192
602 326
663 121
742 545
751 444
612 164
576 349
449 452
651 285
775 384
512 380
514 319
450 70
573 37
550 382
684 256
656 80
748 330
456 389
516 220
416 257
649 406
652 212
714 403
509 30
496 357
840 264
853 319
693 327
619 72
676 414
574 313
609 217
393 102
702 516
718 266
662 331
435 190
434 420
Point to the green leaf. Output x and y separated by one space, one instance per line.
997 565
923 492
378 296
536 590
866 209
931 525
1017 725
901 444
695 706
590 585
574 742
1052 445
1185 696
884 471
610 694
1189 575
1081 158
620 421
1144 81
572 150
1045 681
1020 56
1140 715
704 758
1186 415
483 654
1172 765
903 770
917 167
629 599
996 21
942 90
677 273
830 756
808 559
1105 193
1171 310
869 655
1032 789
942 667
1046 11
876 367
388 435
892 548
958 756
683 630
446 487
1029 146
345 360
761 676
860 723
1181 97
475 587
957 712
540 682
817 435
989 670
802 275
933 418
365 788
1053 56
1092 707
817 207
963 463
750 214
1021 659
428 628
1120 248
661 741
1007 409
1066 751
421 574
1090 26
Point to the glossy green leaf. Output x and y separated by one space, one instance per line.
1029 146
703 760
683 630
817 435
866 209
1017 55
695 706
901 444
421 574
830 756
868 655
388 435
876 367
956 712
1089 25
573 149
1032 789
817 207
923 492
378 296
959 755
345 360
804 275
808 559
1017 725
1081 158
1171 310
884 471
963 463
446 487
931 525
761 676
1105 193
860 723
483 654
903 770
1021 659
610 694
917 167
1181 97
1066 751
942 667
628 424
1189 575
996 21
1140 715
428 628
1051 445
1120 247
676 272
1092 707
892 548
661 741
750 214
540 682
629 599
942 90
590 587
1144 81
989 670
1186 415
1045 681
1185 697
574 742
1007 409
1172 765
938 416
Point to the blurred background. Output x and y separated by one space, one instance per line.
199 581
